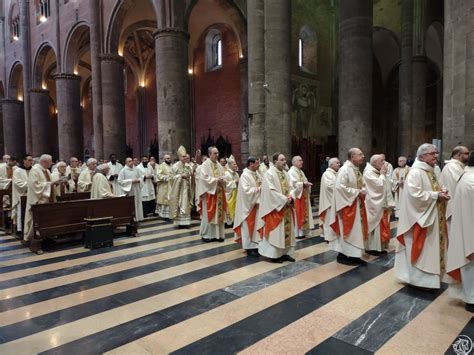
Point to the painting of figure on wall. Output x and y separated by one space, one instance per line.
305 107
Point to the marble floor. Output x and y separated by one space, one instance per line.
167 292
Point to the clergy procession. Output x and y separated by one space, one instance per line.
269 205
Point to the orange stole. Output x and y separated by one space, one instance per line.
272 220
211 204
300 205
322 217
385 226
250 222
419 237
348 217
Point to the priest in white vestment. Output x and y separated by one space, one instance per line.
449 177
180 195
212 198
20 189
66 184
6 176
232 178
74 170
347 215
326 191
379 204
422 230
147 174
114 169
164 179
247 203
276 216
84 183
40 190
130 184
398 177
264 165
304 223
101 187
460 257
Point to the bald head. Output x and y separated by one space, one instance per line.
297 162
460 153
402 161
334 164
355 156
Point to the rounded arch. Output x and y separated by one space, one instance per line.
386 49
15 81
45 56
202 15
77 42
2 90
122 17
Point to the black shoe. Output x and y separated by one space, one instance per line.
220 240
277 260
469 307
343 259
252 252
288 258
420 288
383 253
301 237
372 252
358 261
208 240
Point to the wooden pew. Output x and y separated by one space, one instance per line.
74 196
5 223
62 218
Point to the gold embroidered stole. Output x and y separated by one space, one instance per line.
285 190
301 177
220 193
442 226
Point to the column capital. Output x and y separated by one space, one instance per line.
171 31
66 76
111 57
39 91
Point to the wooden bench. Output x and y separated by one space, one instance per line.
74 196
51 220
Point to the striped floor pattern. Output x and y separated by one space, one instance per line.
167 292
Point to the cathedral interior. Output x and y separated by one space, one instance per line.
90 78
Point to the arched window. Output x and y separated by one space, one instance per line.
15 28
213 50
44 10
308 50
14 23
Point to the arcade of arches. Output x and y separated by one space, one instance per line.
132 77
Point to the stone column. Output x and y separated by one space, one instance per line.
94 6
418 123
458 76
13 127
68 91
405 80
256 77
419 72
172 85
40 122
25 50
244 113
113 105
277 76
355 76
